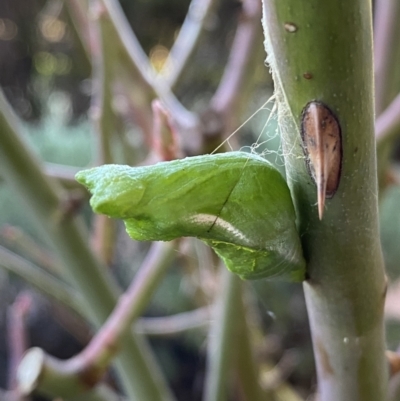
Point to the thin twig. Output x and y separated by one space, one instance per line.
74 376
42 280
187 39
164 138
78 15
41 370
229 92
175 324
140 67
388 122
386 49
65 175
20 241
17 335
103 241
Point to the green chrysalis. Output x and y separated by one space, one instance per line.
237 203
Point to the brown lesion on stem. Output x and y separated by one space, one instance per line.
322 144
326 366
393 359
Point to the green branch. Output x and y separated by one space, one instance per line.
221 338
322 51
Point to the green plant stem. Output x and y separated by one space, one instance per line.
387 125
105 124
72 374
66 234
134 63
186 41
239 70
42 280
247 368
387 53
174 324
387 129
65 175
387 79
222 338
37 366
99 393
17 239
323 51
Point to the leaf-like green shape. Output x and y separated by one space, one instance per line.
237 203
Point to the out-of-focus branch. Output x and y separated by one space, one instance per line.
66 234
175 324
65 175
221 338
40 279
164 138
104 119
246 365
10 396
229 94
78 10
187 39
18 240
386 52
17 336
387 128
55 378
388 122
136 70
101 392
76 375
276 376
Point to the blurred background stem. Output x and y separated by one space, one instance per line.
65 233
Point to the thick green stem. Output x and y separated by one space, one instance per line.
322 51
67 236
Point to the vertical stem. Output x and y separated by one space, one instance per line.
247 368
322 51
186 42
221 339
104 121
387 52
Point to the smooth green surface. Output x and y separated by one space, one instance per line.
236 202
221 338
323 51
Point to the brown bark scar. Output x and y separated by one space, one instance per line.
322 144
326 366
